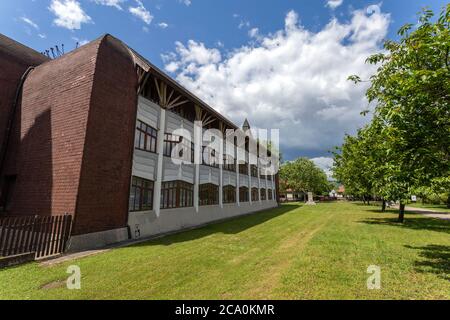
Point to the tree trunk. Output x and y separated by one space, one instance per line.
448 201
401 213
383 206
368 200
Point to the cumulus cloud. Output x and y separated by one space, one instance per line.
324 163
292 79
163 25
141 12
333 4
29 22
186 2
69 14
110 3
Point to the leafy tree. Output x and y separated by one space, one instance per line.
412 91
302 175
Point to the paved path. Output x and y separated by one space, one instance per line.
430 213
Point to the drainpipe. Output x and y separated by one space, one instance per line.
11 119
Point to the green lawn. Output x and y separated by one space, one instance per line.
293 252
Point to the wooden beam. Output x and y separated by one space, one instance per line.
174 100
157 89
178 104
143 82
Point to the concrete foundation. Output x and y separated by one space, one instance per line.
146 223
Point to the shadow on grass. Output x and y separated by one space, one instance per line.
232 226
436 260
412 223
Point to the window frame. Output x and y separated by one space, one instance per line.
149 134
254 193
138 188
208 194
229 194
177 194
243 194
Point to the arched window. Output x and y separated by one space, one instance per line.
229 194
255 194
263 194
243 194
208 194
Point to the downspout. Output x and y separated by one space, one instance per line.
11 119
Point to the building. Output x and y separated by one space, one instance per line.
90 133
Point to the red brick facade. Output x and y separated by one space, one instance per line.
71 143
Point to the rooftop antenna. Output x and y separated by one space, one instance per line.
54 52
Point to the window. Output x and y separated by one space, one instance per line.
243 194
141 194
254 170
6 192
176 194
229 194
170 142
263 194
229 163
270 194
208 194
209 157
243 168
145 138
255 194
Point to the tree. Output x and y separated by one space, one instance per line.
411 90
302 175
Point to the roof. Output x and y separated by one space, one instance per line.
20 52
147 66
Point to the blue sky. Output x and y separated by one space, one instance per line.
282 64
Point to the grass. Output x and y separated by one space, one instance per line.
435 207
292 252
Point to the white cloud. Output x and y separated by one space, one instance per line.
292 79
324 163
163 25
110 3
141 12
333 4
29 22
253 33
42 35
186 2
244 23
69 14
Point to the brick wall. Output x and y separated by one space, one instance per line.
14 61
73 135
105 176
49 134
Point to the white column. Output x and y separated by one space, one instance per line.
221 186
237 182
259 181
197 160
267 189
159 168
249 182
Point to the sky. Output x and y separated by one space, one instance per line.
281 64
